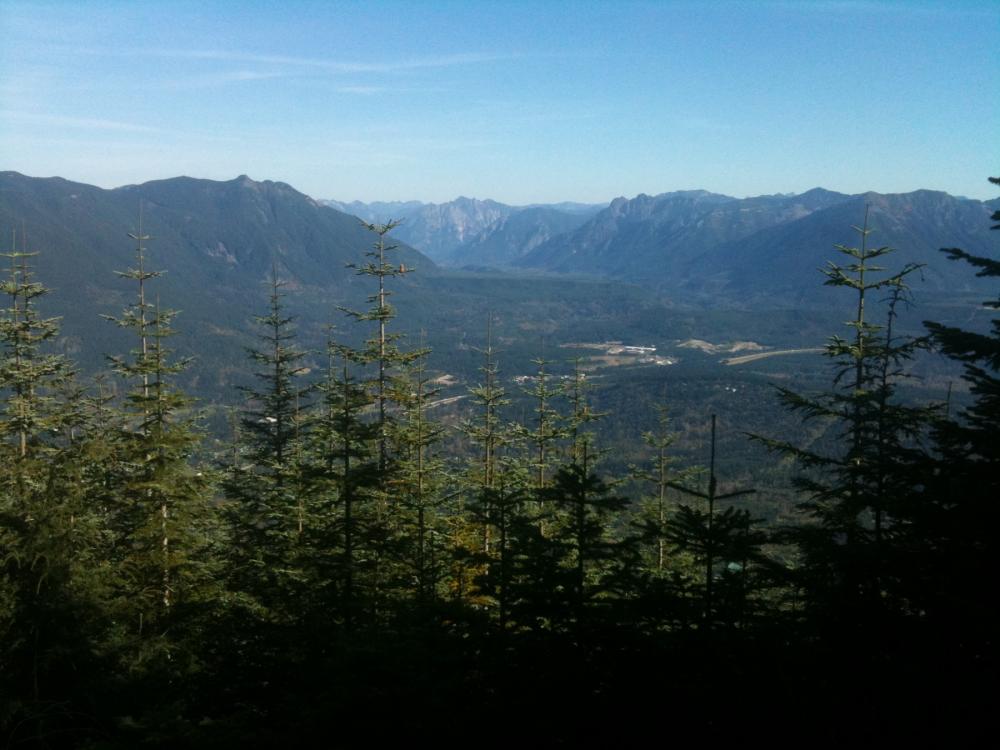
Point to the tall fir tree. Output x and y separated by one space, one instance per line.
719 541
419 480
383 354
542 437
850 504
163 513
486 434
593 562
667 572
268 509
496 487
50 533
382 348
950 531
654 508
29 377
342 474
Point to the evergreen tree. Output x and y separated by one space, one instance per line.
382 349
498 487
950 530
48 531
547 430
486 434
852 493
587 562
29 378
719 541
382 352
668 571
162 513
654 507
502 508
418 479
595 559
581 438
268 509
342 475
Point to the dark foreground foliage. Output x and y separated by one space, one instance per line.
334 579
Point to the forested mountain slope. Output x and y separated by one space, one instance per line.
217 243
764 250
778 264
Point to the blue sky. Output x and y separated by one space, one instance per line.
520 102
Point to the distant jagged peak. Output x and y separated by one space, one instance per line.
694 195
466 202
674 196
644 206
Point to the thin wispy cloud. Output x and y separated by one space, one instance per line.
294 61
339 66
88 123
224 78
32 125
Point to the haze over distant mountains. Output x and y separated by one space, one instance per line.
695 243
471 231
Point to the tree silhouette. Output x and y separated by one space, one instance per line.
851 492
951 532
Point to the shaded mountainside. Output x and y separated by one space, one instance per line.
230 232
780 263
708 246
613 242
215 241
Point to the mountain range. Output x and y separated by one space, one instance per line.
635 269
699 245
218 244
